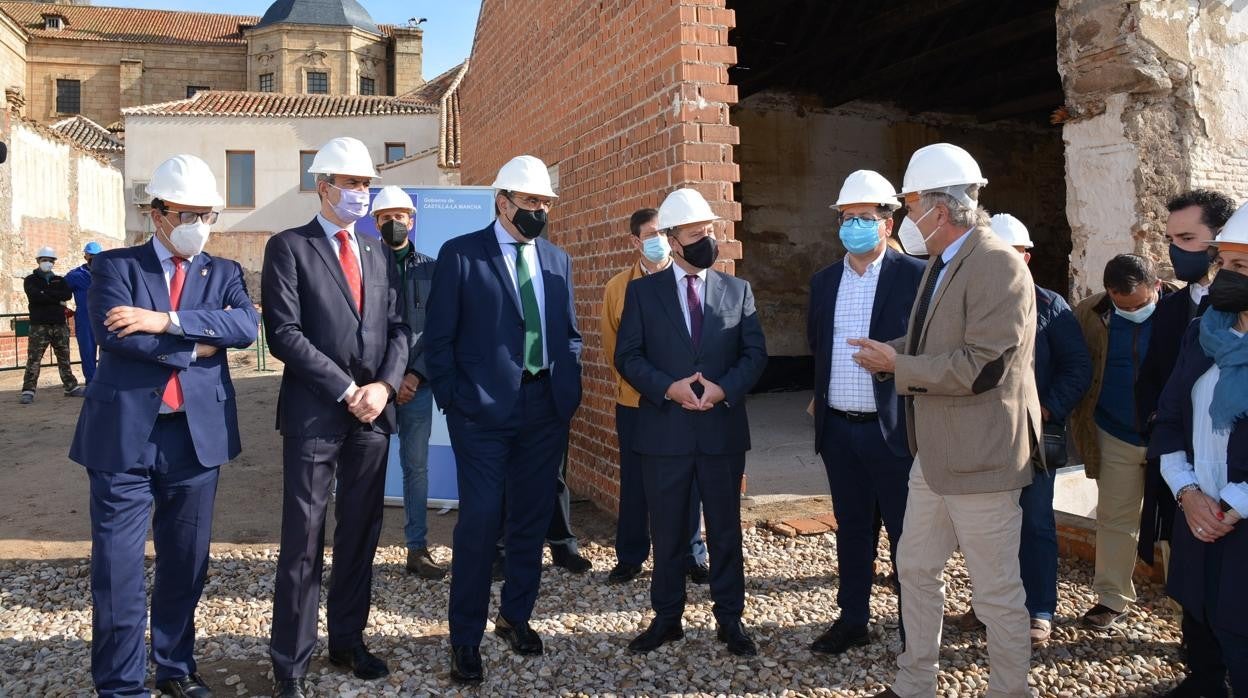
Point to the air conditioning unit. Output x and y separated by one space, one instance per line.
139 195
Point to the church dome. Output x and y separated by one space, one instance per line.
338 13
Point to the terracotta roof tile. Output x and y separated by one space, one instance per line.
444 91
274 104
88 134
90 23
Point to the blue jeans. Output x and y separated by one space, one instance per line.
1037 546
415 419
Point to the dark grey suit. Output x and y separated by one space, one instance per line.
314 328
679 446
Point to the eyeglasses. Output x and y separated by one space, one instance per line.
861 219
189 217
532 202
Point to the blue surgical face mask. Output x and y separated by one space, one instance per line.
352 205
1139 315
656 249
860 236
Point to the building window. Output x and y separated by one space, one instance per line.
240 178
53 22
68 96
266 82
307 180
368 86
395 151
318 83
192 89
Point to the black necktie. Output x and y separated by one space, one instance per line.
925 300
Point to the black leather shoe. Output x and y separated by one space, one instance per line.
570 561
738 641
364 664
520 636
466 663
289 688
622 573
192 686
840 637
700 574
658 634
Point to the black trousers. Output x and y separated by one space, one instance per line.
309 466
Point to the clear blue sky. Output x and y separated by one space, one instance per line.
448 33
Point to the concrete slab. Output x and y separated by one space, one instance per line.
783 460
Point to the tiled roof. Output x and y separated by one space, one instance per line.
88 23
348 13
88 134
444 91
275 104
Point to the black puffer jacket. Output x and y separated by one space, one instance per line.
46 294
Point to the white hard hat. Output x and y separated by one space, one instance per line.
1011 230
344 156
45 251
392 197
866 187
684 206
942 167
525 173
186 180
1235 231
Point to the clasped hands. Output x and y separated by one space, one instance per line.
1205 517
366 402
681 392
126 320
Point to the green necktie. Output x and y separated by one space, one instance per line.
532 314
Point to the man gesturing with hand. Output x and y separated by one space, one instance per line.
693 354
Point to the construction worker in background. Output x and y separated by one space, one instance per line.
48 296
860 428
155 428
79 281
1063 374
392 211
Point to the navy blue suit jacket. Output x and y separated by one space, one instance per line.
1063 365
1172 431
654 350
124 398
474 330
1170 321
314 328
890 314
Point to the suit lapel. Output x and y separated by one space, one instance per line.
320 243
951 270
154 277
827 324
371 270
712 305
668 288
882 287
551 286
195 283
494 251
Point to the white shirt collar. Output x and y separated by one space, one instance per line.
952 250
331 229
164 254
681 273
872 267
1198 292
503 237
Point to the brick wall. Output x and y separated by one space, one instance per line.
629 99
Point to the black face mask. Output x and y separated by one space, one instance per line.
1188 266
394 233
703 253
1229 292
531 224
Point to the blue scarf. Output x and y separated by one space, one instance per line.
1230 353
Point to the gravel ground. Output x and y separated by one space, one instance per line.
46 623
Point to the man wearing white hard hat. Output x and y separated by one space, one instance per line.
504 358
1201 439
691 343
331 316
1063 374
47 295
973 417
859 421
393 213
157 424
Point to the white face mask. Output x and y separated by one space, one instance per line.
912 240
45 267
188 240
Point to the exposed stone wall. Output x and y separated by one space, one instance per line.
638 106
12 54
795 154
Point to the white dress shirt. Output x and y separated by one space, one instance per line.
850 386
165 255
1198 292
1208 450
947 256
508 245
699 285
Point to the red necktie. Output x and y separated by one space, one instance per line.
350 269
173 388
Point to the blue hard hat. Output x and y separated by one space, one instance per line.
92 248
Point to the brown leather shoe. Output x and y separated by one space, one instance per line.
420 562
967 622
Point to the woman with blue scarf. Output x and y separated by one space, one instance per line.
1201 436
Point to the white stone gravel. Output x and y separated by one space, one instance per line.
45 625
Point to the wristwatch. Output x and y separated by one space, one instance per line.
1225 507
